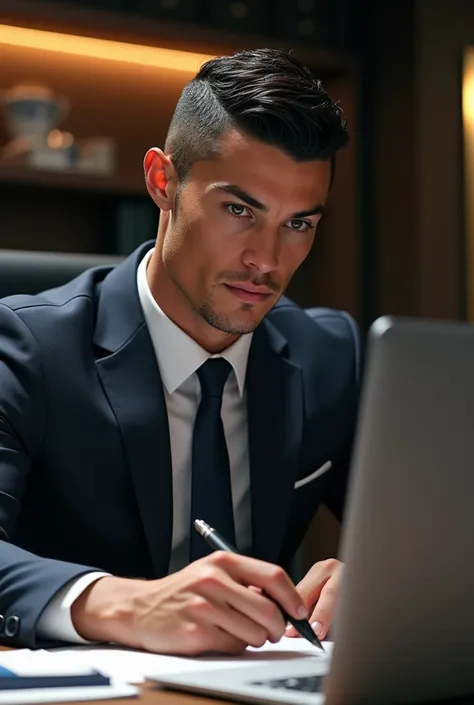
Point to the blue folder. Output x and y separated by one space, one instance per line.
12 681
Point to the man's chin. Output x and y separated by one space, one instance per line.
233 323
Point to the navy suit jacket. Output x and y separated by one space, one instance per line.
85 469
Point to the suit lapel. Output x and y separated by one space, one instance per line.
131 380
275 424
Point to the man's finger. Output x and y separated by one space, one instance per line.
323 612
268 577
311 585
316 626
291 631
319 592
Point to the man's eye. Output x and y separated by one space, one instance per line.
301 226
236 209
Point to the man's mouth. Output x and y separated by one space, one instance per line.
249 293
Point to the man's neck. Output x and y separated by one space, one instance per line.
174 304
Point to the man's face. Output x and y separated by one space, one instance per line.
241 226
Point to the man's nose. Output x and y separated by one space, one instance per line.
262 251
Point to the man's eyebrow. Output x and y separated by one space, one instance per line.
238 192
235 190
317 210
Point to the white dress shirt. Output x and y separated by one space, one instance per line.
178 357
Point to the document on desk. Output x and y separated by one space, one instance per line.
40 677
135 666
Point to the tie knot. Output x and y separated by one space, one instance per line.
213 376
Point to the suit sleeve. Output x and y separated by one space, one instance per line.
27 582
56 622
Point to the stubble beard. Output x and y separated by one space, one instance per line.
226 323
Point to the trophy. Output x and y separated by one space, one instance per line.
32 115
31 112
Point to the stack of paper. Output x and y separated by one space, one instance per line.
41 677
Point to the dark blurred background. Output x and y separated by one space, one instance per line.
398 236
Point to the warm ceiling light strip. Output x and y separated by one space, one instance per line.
101 48
468 90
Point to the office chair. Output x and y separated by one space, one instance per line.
29 272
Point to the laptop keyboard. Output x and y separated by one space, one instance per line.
305 684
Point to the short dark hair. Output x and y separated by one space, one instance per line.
267 93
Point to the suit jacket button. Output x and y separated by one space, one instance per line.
2 622
12 625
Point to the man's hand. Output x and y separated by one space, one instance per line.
319 590
214 604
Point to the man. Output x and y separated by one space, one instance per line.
180 386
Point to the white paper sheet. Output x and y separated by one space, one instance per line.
61 695
24 662
135 666
130 666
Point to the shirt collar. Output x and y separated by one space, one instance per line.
178 355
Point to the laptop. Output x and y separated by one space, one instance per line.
404 627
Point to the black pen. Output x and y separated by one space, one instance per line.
218 543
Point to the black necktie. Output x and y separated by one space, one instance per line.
211 494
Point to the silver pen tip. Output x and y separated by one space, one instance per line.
201 526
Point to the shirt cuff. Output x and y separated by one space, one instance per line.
55 623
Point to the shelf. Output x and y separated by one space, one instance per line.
133 105
122 26
112 185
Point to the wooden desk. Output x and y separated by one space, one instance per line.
151 695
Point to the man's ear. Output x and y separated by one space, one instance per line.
160 174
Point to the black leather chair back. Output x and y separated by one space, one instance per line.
29 272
